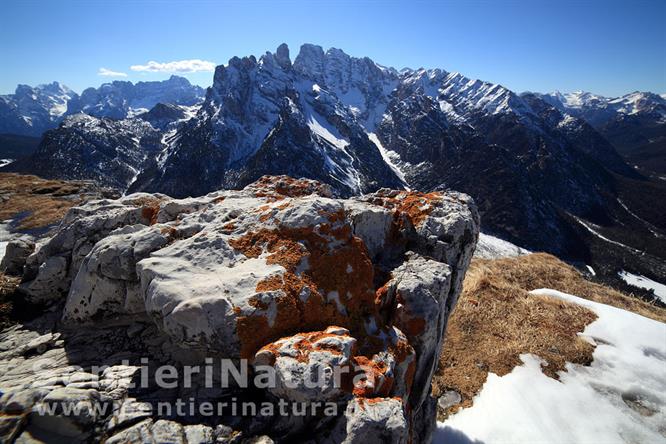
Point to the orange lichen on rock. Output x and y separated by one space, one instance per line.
376 382
170 232
150 213
362 376
320 287
230 226
248 328
308 343
417 206
376 400
278 187
382 294
150 208
414 206
269 211
264 217
403 352
415 327
376 370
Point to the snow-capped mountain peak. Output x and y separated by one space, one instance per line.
356 125
637 102
120 99
631 103
33 110
579 99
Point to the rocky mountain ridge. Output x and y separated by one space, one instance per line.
112 151
31 111
634 123
540 176
599 109
122 99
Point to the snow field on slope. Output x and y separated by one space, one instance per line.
619 398
643 282
491 247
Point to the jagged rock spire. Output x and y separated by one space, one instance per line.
282 56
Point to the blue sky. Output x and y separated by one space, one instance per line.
606 47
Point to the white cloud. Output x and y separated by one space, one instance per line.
194 65
108 73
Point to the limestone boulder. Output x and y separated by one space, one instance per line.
281 273
16 254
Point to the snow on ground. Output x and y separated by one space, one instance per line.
649 226
491 247
327 132
190 111
133 179
642 282
5 237
341 170
59 108
390 157
133 112
588 227
619 398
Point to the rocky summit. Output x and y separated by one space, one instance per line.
280 274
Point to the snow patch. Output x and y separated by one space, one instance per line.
643 282
326 132
390 157
491 247
619 398
342 167
647 224
5 237
589 228
567 121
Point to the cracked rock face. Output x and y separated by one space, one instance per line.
283 274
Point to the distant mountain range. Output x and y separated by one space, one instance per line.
635 123
543 168
32 110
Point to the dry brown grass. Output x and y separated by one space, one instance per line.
38 202
541 270
8 285
496 321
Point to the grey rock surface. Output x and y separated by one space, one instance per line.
280 273
16 254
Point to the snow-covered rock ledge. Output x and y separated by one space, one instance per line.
283 274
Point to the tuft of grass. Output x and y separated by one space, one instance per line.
496 320
8 285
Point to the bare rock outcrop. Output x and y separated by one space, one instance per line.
16 253
286 276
